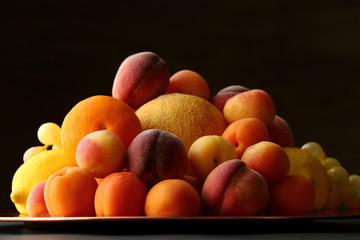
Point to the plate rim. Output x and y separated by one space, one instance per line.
14 217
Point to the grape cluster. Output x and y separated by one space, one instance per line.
344 188
49 135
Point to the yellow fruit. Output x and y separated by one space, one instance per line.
187 116
36 169
304 164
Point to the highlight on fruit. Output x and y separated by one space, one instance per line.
159 145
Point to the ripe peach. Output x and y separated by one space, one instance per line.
33 151
220 98
254 103
280 132
245 132
120 194
268 159
206 153
141 77
101 153
234 189
155 155
35 204
293 195
172 198
70 192
189 82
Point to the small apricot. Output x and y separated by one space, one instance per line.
172 198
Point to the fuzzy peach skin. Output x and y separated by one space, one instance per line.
268 159
221 97
255 103
245 132
233 189
172 198
280 132
120 194
141 77
101 153
35 204
70 192
155 155
189 82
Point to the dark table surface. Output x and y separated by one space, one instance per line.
265 229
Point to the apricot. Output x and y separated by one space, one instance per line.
155 155
70 192
233 189
280 132
120 194
206 153
101 153
245 132
35 204
255 103
189 82
140 78
293 195
221 97
268 159
172 198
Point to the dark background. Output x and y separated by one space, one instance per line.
306 54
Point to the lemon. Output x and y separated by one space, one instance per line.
304 164
36 169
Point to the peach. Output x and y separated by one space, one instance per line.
206 153
221 97
155 155
280 132
233 189
35 204
101 153
120 194
140 78
255 103
268 159
245 132
189 82
70 192
172 198
33 151
293 195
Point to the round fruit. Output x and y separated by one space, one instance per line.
49 134
188 117
304 164
37 169
99 113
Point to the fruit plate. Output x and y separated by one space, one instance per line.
171 224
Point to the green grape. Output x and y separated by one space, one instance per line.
338 177
330 162
49 134
314 149
351 196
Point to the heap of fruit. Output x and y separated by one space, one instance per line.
159 146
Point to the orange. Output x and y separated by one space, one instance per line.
187 116
99 113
